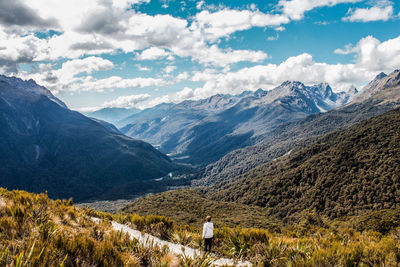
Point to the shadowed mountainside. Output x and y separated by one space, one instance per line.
46 146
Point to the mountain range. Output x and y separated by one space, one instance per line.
380 95
337 163
46 146
202 131
112 115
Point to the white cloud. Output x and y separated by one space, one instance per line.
129 101
371 57
152 53
169 69
348 49
16 49
218 57
216 25
295 9
279 29
182 76
199 4
68 78
374 55
374 13
114 82
94 28
273 38
87 65
143 68
185 94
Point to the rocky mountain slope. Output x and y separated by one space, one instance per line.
203 131
46 146
291 137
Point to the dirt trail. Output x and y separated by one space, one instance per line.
176 249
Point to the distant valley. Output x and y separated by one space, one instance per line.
202 131
337 163
49 147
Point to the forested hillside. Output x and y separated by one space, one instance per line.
354 169
191 207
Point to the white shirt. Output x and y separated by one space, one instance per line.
208 230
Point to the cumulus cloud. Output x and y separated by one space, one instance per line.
91 28
215 25
89 83
295 9
143 68
16 13
302 68
68 78
185 94
16 49
169 69
129 101
374 55
153 53
87 65
371 56
374 13
97 27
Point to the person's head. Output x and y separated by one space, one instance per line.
208 218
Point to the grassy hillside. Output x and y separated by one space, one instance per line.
37 231
191 207
354 169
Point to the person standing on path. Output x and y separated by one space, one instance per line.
208 234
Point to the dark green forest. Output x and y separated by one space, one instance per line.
343 173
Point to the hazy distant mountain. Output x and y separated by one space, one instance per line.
290 137
46 146
200 132
112 115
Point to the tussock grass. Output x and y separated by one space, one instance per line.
37 231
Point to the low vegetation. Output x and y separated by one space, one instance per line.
313 241
37 231
191 207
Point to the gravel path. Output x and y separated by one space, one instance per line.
174 248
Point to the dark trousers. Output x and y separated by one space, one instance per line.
207 244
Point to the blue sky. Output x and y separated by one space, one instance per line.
139 53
